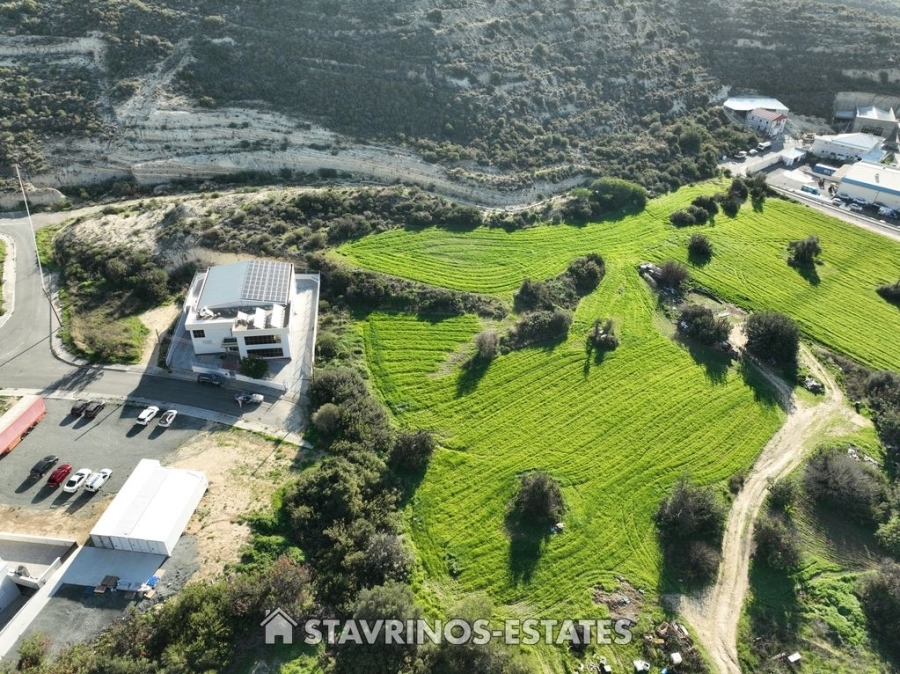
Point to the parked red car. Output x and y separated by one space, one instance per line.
58 476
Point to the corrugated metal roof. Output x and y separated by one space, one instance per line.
150 502
856 141
247 282
748 103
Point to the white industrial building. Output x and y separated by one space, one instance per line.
846 146
151 510
872 183
242 308
767 122
875 121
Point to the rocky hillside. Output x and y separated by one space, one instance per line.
507 87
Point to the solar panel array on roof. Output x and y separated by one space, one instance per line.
266 281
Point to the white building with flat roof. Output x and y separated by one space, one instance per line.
845 146
872 183
767 122
151 510
243 308
875 121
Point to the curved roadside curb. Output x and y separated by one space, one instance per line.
8 279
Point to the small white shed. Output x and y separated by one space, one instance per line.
151 510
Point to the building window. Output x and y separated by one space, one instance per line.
265 353
229 340
198 334
250 340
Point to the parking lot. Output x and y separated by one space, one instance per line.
112 440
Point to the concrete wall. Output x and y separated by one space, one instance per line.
9 591
214 333
869 194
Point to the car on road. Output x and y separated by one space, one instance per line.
74 483
58 476
79 407
855 207
168 418
246 397
210 379
96 480
94 408
147 415
837 201
41 467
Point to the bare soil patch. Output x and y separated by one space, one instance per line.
158 320
623 602
244 472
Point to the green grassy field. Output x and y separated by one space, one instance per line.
838 308
815 608
615 434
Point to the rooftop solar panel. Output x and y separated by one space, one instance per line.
266 281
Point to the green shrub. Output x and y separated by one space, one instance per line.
257 368
771 335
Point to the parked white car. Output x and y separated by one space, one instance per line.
168 418
78 479
147 415
97 480
247 397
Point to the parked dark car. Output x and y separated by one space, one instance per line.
210 379
58 476
41 467
94 409
79 407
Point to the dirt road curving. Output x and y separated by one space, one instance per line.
714 614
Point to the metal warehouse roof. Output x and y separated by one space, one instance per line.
748 103
762 113
873 176
150 503
872 112
248 282
856 141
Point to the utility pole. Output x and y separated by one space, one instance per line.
31 224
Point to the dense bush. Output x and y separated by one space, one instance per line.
690 512
672 275
707 203
581 277
782 494
776 543
834 478
890 291
253 367
486 344
805 251
370 291
700 323
880 600
603 336
538 501
539 326
682 219
412 451
699 248
771 335
609 195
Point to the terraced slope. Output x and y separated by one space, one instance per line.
837 306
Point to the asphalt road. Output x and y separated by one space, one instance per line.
27 361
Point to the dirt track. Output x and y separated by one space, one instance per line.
714 615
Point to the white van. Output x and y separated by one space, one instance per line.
764 146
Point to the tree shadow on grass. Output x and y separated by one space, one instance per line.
594 356
773 611
470 374
764 391
526 545
808 271
715 363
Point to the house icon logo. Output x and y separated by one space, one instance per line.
277 623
